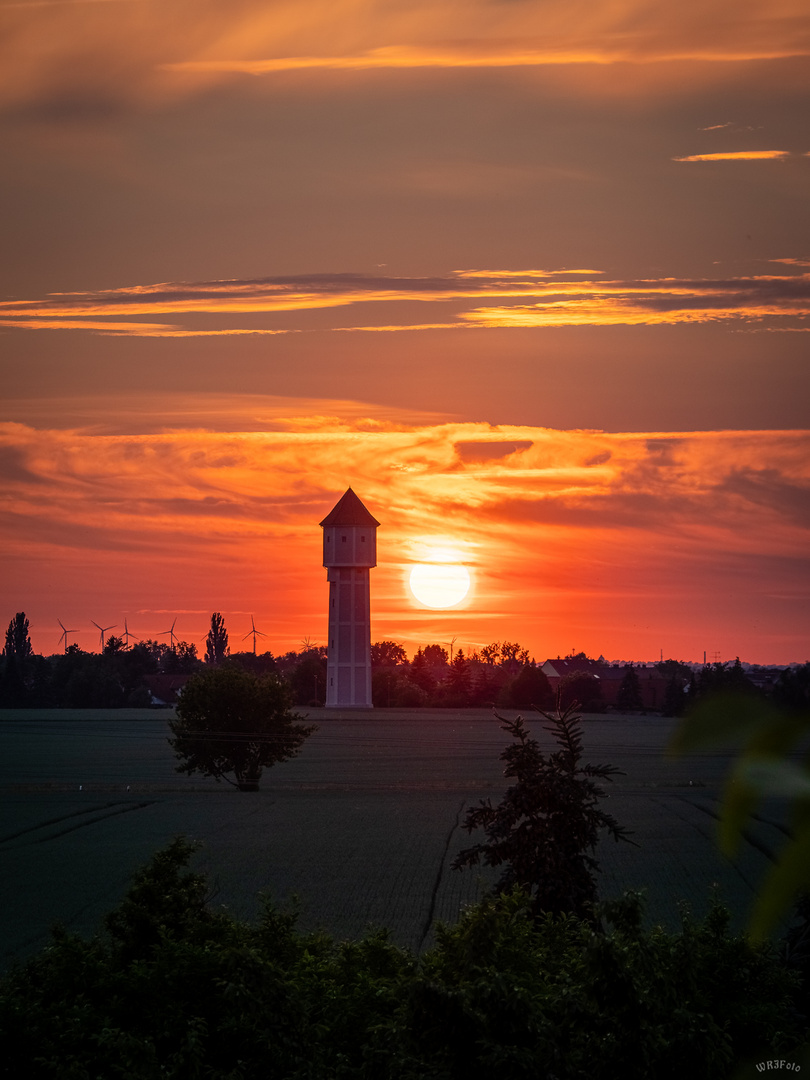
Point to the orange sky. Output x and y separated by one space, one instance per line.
626 544
534 278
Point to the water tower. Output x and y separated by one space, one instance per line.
349 552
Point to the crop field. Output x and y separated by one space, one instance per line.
363 826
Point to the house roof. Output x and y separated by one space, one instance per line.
571 666
349 511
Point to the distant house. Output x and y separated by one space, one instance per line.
573 665
764 678
165 689
652 684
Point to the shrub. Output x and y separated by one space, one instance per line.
173 990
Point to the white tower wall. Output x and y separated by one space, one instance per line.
348 663
349 552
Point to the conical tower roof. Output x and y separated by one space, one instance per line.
348 512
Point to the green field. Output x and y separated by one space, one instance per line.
362 826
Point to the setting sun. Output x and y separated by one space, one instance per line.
439 585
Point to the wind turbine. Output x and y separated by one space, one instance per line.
103 630
170 632
126 634
65 633
452 644
254 632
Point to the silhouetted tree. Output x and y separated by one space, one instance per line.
83 680
674 697
484 683
18 640
629 696
722 679
509 654
259 664
545 829
216 644
530 687
792 689
513 655
16 666
308 677
114 645
180 660
421 674
457 686
580 688
392 688
387 654
674 667
436 656
230 721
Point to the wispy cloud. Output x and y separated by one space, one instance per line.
738 155
547 298
484 55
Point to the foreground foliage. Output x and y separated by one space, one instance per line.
175 990
772 760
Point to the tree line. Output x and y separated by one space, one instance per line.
501 674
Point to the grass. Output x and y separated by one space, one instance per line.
363 825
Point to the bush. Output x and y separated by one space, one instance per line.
175 990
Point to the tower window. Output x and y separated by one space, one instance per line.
362 539
343 538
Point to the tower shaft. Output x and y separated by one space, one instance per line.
348 663
349 552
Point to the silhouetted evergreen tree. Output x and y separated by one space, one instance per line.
16 667
421 673
216 644
18 640
674 697
457 684
629 696
530 688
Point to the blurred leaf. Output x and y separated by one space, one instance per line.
751 779
772 776
739 801
763 737
788 877
736 720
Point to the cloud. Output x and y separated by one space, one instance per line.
562 530
490 450
562 298
150 52
738 155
